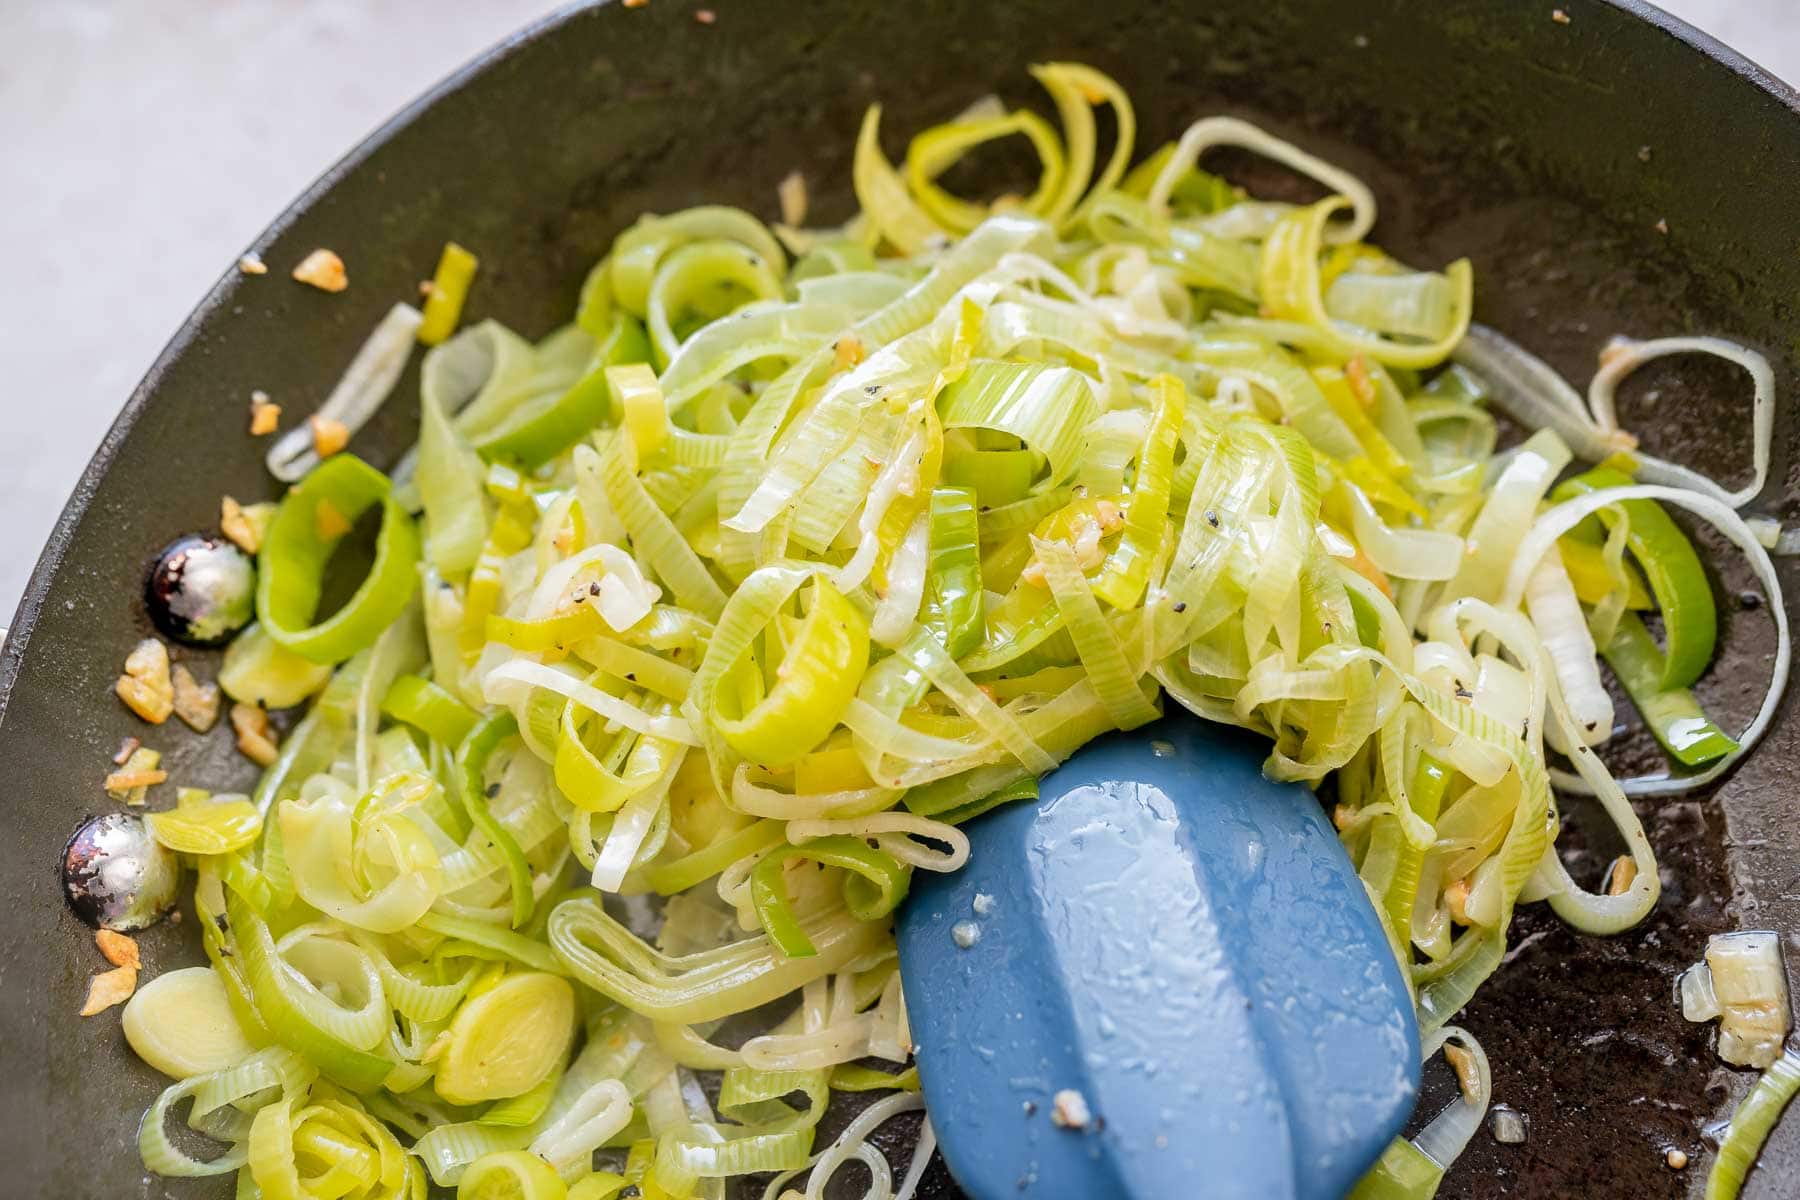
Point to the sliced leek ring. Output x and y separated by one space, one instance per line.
507 1039
510 1175
181 1024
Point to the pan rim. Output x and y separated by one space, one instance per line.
190 336
15 639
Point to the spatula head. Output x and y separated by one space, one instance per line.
1185 946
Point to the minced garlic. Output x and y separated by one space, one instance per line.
323 270
245 524
328 436
328 522
265 416
145 687
127 780
109 988
196 703
120 950
255 735
791 192
1069 1109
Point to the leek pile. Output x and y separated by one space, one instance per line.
697 626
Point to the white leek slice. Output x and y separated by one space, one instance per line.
181 1023
359 395
505 1041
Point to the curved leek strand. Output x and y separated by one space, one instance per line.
874 885
307 527
471 762
608 958
1751 1125
1291 289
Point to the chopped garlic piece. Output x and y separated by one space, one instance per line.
124 781
109 988
328 436
329 522
848 352
145 687
1069 1109
255 735
196 703
1088 551
1456 899
792 194
120 951
323 270
137 774
1468 1077
265 416
245 525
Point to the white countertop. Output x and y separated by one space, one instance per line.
133 169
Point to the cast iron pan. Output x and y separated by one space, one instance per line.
1548 151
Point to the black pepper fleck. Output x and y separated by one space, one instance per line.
1750 600
1181 606
493 789
1212 518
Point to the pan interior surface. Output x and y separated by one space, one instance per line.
1614 174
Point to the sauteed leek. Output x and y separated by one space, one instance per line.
697 626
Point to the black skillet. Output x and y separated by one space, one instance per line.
1612 172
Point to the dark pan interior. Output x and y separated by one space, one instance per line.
1488 130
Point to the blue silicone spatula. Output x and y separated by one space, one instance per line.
1163 980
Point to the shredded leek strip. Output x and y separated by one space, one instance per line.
1208 132
449 289
608 958
1291 289
742 592
1751 1125
935 149
1077 89
874 884
366 384
893 212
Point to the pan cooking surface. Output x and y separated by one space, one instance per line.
1497 134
